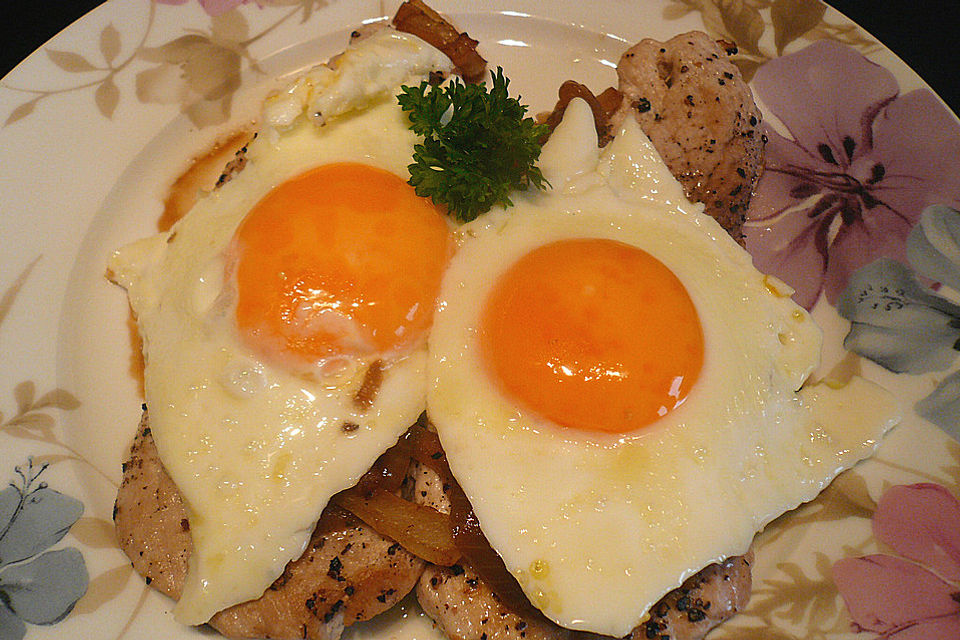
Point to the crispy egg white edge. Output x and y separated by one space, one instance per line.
627 192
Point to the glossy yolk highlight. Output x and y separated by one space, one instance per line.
592 334
344 259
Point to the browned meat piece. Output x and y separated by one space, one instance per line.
466 609
700 115
348 572
705 600
415 17
150 518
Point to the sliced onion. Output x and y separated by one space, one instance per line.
603 106
467 536
421 530
417 18
390 469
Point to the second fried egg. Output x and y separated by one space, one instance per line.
618 390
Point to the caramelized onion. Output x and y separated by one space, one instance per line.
388 472
421 530
467 536
417 18
602 106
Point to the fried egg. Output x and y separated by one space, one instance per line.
620 393
284 319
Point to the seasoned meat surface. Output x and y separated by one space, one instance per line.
700 115
466 609
705 600
348 572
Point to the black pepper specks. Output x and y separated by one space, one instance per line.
333 611
334 571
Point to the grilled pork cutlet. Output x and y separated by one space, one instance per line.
464 607
698 111
347 574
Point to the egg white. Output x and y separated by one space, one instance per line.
597 528
256 450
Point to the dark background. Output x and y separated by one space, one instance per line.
925 33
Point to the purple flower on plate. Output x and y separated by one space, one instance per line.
905 325
212 7
916 596
860 164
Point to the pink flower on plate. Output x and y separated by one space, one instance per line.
212 7
917 596
859 165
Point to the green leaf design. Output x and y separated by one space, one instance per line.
70 61
22 111
107 96
58 399
230 27
97 533
104 588
846 497
6 302
31 413
793 18
797 597
24 393
109 43
728 630
953 470
676 10
743 22
33 420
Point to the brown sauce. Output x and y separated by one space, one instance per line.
202 176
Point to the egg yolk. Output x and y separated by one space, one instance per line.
592 334
342 260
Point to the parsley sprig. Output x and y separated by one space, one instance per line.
477 146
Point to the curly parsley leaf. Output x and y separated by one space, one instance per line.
477 145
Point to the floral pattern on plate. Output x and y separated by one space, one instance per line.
915 595
37 586
860 164
906 326
847 181
199 70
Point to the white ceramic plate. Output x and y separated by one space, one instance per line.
100 122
